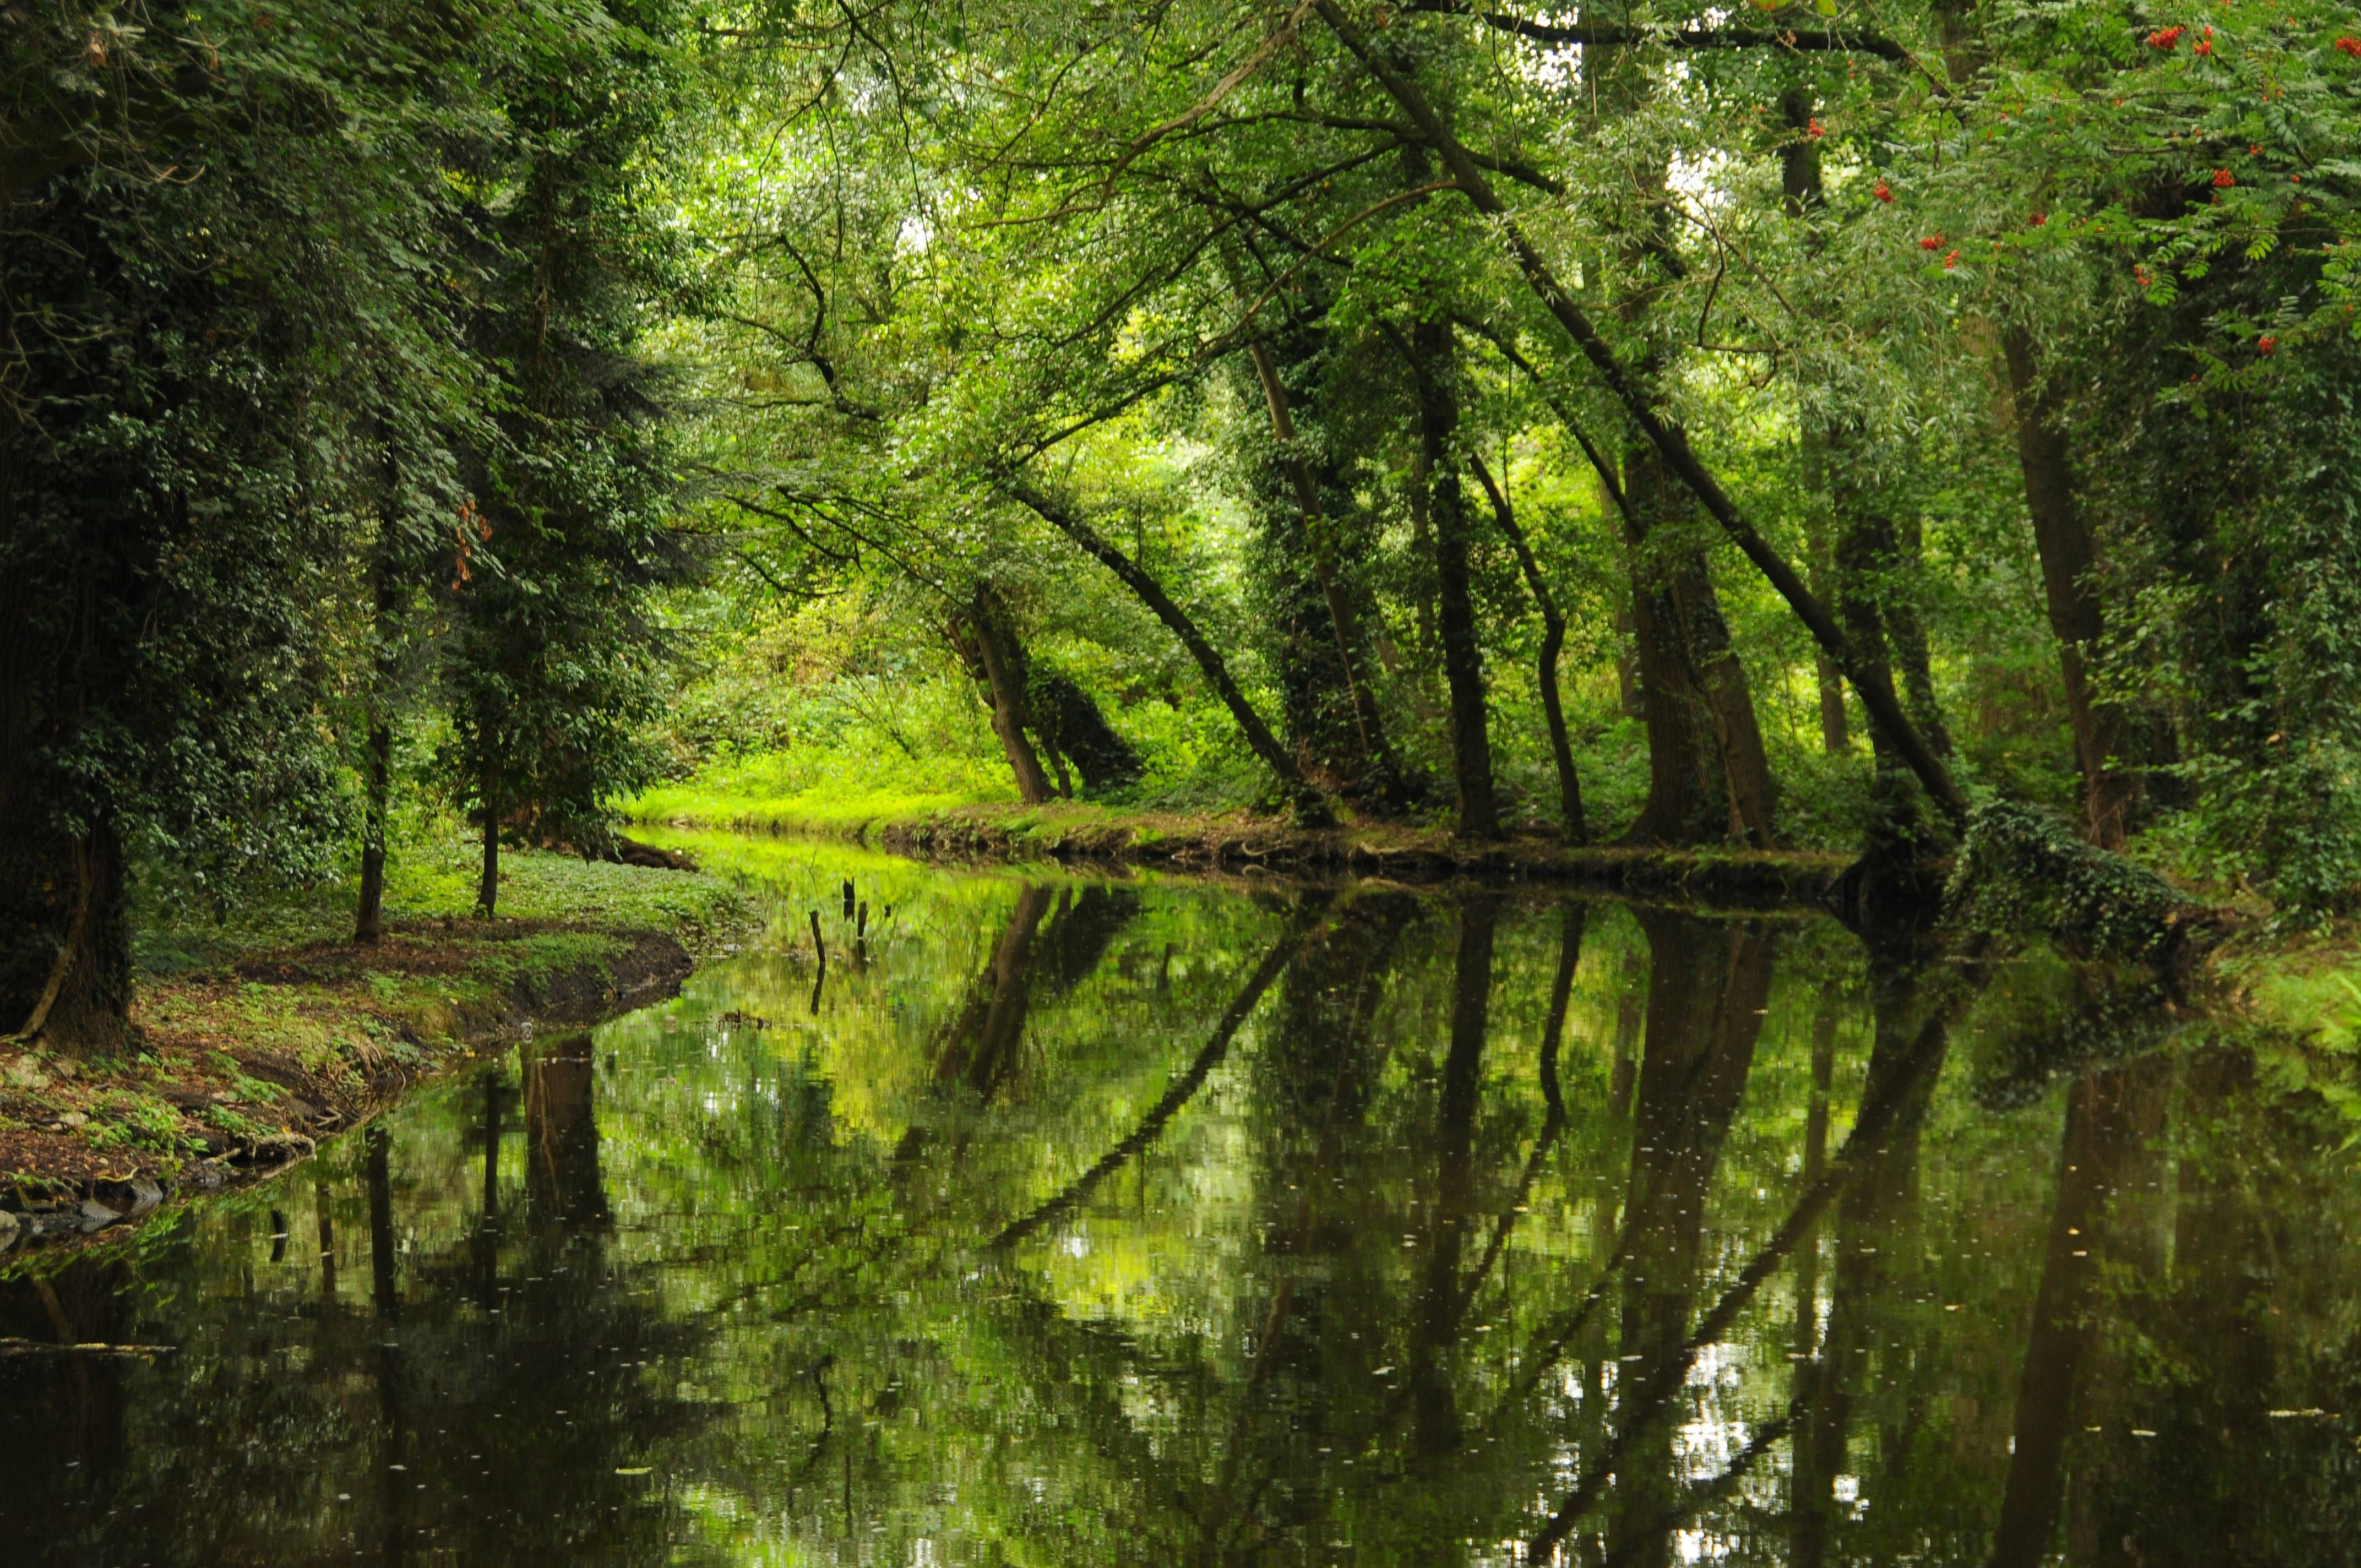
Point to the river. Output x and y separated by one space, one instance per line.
1073 1221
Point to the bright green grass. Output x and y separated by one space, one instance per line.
822 791
431 870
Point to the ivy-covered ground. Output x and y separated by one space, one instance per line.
257 1032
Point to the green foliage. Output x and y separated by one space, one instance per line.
2021 872
549 669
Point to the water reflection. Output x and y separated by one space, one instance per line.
1094 1223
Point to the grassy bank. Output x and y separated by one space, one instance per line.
828 792
258 1033
1078 831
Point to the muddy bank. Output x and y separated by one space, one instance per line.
242 1070
1082 835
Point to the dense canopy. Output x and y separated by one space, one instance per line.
1771 427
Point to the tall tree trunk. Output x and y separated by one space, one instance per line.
1716 776
1738 735
488 887
1836 729
1800 180
376 802
385 605
1709 777
1434 363
1686 800
1908 633
1864 561
1376 758
1569 783
1003 659
2111 789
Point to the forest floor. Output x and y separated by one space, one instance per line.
1075 832
258 1035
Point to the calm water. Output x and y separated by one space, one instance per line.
1079 1222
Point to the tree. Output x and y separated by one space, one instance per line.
549 668
202 302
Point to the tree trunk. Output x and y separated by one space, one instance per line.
385 595
2110 790
1569 783
1310 809
65 939
1687 803
1836 729
1003 659
1908 633
1745 766
487 888
1374 769
1709 777
1865 558
70 972
369 918
1434 363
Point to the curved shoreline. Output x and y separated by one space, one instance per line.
64 1188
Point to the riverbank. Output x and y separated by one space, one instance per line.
1075 832
256 1038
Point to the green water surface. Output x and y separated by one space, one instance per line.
1076 1222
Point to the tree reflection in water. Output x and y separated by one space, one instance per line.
1102 1224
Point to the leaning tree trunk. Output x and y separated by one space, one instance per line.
1310 809
1434 363
1003 658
